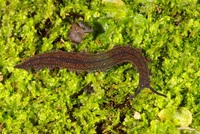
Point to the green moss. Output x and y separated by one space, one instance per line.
58 101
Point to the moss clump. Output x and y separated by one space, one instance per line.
58 101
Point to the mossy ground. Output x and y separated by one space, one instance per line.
58 101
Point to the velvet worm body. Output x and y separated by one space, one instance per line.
93 62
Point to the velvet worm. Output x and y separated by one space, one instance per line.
94 62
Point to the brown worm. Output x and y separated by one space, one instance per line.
93 62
